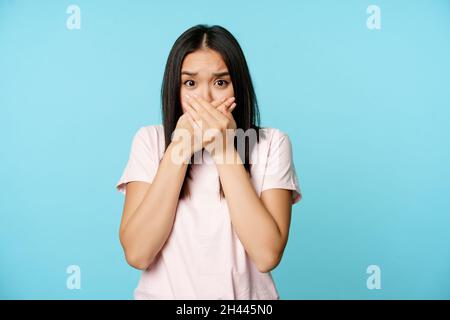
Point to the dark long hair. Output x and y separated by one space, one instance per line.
246 113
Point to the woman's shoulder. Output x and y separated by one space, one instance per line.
151 128
150 132
270 139
151 138
272 130
270 134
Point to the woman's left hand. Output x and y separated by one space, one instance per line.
215 123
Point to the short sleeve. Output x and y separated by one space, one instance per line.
143 160
280 172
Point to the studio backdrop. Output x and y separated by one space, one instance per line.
362 88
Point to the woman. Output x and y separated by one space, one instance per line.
208 193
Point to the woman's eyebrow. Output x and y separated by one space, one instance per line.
216 74
189 73
221 74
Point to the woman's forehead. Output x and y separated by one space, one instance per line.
203 62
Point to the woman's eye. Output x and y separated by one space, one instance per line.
189 83
222 83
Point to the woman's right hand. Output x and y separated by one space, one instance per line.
188 135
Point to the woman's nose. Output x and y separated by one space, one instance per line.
206 95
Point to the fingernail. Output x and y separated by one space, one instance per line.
187 96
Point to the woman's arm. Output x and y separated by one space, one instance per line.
149 210
262 225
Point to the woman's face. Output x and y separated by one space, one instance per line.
204 73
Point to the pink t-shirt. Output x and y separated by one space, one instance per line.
203 258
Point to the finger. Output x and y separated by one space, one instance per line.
192 112
203 109
218 112
191 119
223 106
217 103
228 111
197 118
226 105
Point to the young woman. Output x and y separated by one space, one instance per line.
213 225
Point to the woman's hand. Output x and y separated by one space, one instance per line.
183 139
188 135
214 125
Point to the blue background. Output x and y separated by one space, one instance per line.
367 112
